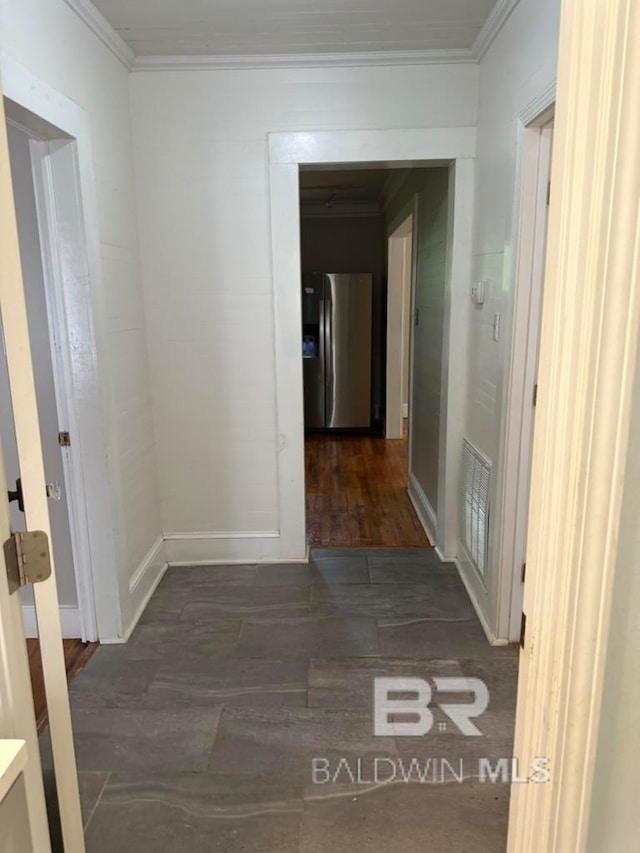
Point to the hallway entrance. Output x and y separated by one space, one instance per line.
357 493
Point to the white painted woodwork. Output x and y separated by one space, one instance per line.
251 27
400 257
287 152
518 67
36 301
15 831
17 717
87 76
512 490
16 708
582 528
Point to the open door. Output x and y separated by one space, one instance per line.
17 720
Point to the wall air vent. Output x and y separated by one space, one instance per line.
476 478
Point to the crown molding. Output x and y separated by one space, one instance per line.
492 26
539 104
99 25
302 60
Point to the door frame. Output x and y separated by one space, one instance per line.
17 705
516 432
81 622
587 367
67 215
398 324
410 147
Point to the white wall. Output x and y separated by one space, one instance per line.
49 39
201 146
519 65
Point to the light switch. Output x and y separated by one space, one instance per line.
496 327
479 292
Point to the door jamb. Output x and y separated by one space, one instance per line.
67 214
287 151
50 240
512 492
401 314
587 371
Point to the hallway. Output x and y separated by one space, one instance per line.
199 733
357 493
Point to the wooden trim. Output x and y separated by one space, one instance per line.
72 235
495 22
25 410
287 152
588 348
512 490
303 60
100 27
13 760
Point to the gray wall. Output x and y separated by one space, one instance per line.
431 187
351 245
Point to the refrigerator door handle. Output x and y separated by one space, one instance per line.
328 357
322 353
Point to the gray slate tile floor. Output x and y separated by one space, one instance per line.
198 734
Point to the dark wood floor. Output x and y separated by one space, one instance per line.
357 493
76 655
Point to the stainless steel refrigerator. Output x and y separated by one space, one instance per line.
336 350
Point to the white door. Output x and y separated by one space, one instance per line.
17 719
41 355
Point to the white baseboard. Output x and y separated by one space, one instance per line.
70 622
423 509
142 585
213 548
471 592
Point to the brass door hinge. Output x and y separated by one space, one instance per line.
28 558
64 439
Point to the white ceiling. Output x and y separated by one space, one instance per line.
264 27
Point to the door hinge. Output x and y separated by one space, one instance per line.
524 571
523 628
416 317
64 439
28 558
535 394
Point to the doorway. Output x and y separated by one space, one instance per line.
48 397
517 441
48 148
453 148
383 290
399 287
